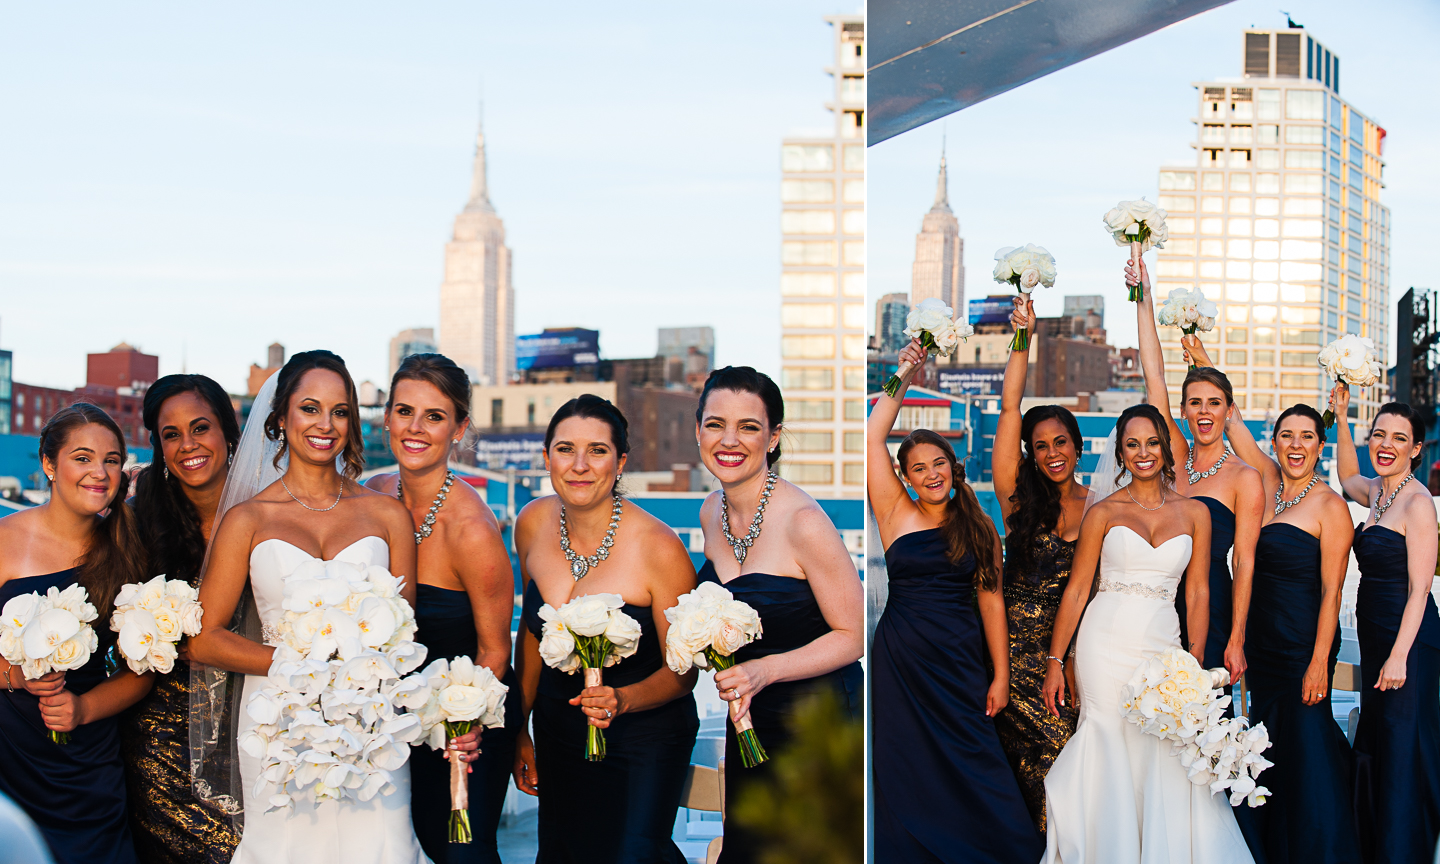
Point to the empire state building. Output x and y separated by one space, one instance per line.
477 299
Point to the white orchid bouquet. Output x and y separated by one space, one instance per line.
1025 267
707 627
1172 697
451 698
1141 226
1188 310
331 720
50 632
1352 359
151 618
588 633
931 322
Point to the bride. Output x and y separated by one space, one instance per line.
303 419
1115 793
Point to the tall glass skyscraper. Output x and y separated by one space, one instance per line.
1279 222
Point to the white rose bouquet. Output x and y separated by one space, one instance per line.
1141 226
588 633
151 618
931 323
707 627
50 632
1025 267
1171 696
1352 359
452 697
1188 310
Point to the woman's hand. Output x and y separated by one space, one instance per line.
740 683
1340 398
46 685
601 704
1195 353
1235 660
998 696
1315 683
526 778
1023 315
1054 690
1392 674
62 711
468 746
1142 278
1070 683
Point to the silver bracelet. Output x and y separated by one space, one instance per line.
1056 659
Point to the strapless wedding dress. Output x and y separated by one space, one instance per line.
1116 795
378 831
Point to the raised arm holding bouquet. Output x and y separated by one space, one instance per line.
931 324
1352 360
1025 267
1141 226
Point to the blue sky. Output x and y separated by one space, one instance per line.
1041 163
201 181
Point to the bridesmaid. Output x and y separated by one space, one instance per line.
194 434
620 809
74 792
794 571
1397 745
1291 643
465 596
943 790
1041 503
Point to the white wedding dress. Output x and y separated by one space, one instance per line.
332 832
1115 794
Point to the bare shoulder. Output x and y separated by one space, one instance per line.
1194 509
1332 506
18 525
652 530
469 508
534 517
1418 504
381 504
710 507
382 483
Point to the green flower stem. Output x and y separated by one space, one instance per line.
59 737
459 819
1328 418
1137 291
751 752
892 386
592 651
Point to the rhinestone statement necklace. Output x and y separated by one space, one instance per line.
581 564
429 524
1381 508
741 546
1282 506
1197 476
307 506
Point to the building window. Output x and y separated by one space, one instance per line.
808 252
807 157
852 284
1183 181
854 473
811 442
1293 336
807 191
1268 184
1304 184
1298 358
1177 203
855 252
854 222
854 191
497 412
1240 183
807 378
809 409
1304 158
807 284
1267 135
807 315
807 222
807 347
854 157
1298 134
853 346
855 378
1304 105
807 473
854 409
1242 134
1237 335
854 442
1235 358
530 413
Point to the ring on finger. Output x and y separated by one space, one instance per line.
609 713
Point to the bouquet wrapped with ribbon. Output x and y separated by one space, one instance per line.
588 633
1141 226
931 323
50 632
1025 267
1352 359
151 618
1188 310
707 627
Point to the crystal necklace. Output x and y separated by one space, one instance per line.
741 546
1142 506
581 564
1197 476
1282 506
307 506
429 524
1381 508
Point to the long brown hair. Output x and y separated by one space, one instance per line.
1036 505
967 528
115 555
290 375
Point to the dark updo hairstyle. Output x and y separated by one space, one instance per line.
169 524
744 379
966 527
115 556
440 372
1208 375
1035 503
290 375
1145 411
591 407
1417 427
1302 410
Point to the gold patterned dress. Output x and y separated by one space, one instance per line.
170 825
1031 736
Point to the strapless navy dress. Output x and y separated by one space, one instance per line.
790 618
943 789
1309 818
1222 537
447 629
1397 744
75 792
621 809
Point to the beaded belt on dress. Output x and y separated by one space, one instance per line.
1027 594
1136 589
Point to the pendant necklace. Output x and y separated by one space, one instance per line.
741 546
429 524
1381 508
581 564
307 506
1197 476
1281 507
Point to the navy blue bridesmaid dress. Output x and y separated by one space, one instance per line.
1309 818
790 618
446 625
1397 744
942 789
1222 537
75 792
620 810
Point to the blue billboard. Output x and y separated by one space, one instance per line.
573 346
991 310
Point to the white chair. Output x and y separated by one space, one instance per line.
705 790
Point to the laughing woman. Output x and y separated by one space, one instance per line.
942 787
74 792
772 546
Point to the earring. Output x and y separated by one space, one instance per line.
455 441
167 470
387 427
282 436
49 478
230 460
